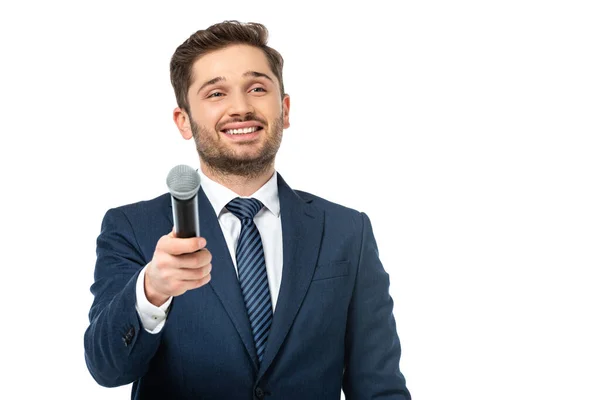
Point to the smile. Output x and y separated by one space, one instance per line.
242 131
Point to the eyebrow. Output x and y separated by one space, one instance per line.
253 74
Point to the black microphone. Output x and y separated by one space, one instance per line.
184 182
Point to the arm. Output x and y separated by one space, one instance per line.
117 348
372 345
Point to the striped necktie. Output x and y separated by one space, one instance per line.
252 272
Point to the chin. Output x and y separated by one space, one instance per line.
246 154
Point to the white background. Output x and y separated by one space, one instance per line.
467 130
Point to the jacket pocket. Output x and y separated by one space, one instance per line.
331 270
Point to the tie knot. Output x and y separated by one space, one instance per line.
244 208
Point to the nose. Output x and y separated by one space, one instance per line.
240 105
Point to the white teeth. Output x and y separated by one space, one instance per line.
241 131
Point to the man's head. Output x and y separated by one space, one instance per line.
229 89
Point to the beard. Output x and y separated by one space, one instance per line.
225 161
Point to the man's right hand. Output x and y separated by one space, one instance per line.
178 265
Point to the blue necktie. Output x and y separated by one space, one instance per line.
252 272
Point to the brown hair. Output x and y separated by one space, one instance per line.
214 38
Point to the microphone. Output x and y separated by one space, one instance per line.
184 182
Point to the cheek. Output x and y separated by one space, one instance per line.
272 109
208 116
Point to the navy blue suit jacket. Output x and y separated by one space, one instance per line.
333 325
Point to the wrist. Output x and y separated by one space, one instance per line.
155 297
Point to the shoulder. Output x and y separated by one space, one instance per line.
334 212
147 210
140 224
158 202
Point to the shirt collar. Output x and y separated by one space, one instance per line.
219 195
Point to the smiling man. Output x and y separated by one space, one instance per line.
284 296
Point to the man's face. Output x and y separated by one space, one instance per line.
237 113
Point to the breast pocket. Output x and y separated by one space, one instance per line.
330 270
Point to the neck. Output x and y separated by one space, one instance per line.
241 185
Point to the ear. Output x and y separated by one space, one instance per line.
286 111
182 120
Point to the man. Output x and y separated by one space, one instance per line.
283 296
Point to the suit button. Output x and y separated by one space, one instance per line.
259 393
128 336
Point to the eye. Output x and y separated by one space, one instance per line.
215 94
258 89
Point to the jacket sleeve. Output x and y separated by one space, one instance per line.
118 349
372 362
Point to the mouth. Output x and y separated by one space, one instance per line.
242 131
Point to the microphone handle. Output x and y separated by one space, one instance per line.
185 217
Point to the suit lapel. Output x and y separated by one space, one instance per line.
302 228
224 280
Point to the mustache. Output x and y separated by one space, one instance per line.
248 117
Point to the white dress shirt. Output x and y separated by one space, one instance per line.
268 222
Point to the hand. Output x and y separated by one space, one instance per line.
178 265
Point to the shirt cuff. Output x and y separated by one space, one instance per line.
153 318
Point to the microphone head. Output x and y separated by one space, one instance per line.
183 182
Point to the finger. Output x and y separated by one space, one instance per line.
191 275
194 260
199 283
177 246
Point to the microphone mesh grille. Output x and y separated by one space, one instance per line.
183 182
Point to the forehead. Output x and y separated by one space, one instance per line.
230 62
